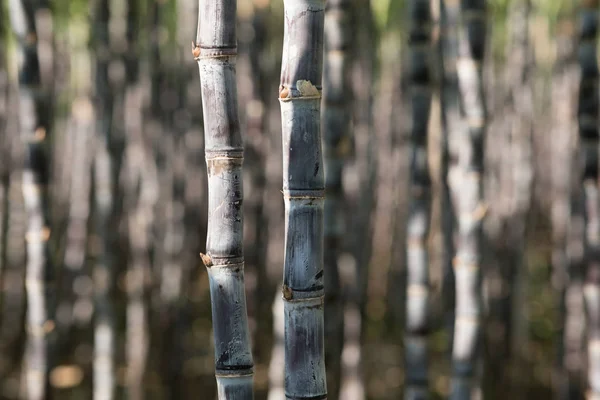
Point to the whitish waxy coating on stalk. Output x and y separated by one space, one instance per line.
216 51
465 181
417 290
588 136
337 144
39 280
303 189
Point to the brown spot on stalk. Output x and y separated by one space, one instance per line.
41 236
49 326
206 260
284 93
480 212
40 133
287 292
195 50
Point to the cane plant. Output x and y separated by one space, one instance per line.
588 136
107 193
215 50
417 290
34 131
337 92
466 185
303 192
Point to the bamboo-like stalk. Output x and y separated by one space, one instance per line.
466 185
588 135
417 286
336 147
4 146
451 128
562 150
106 199
216 50
139 221
74 321
365 142
34 130
303 192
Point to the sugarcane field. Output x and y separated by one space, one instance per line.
299 200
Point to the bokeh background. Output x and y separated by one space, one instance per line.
124 70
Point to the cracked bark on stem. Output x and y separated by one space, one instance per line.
34 129
588 136
303 192
216 51
417 288
337 145
466 185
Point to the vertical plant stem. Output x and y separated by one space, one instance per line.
451 128
215 51
106 192
34 130
365 142
466 185
337 145
303 191
417 287
563 107
140 206
588 135
4 145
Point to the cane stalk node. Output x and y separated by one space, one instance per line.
284 93
287 292
206 260
38 236
195 50
480 212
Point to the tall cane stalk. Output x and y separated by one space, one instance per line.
34 127
466 185
337 144
417 289
588 136
303 192
215 50
108 206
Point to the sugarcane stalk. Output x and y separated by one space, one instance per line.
417 287
140 219
451 127
337 144
562 150
588 135
303 192
4 148
216 50
466 185
34 130
106 204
